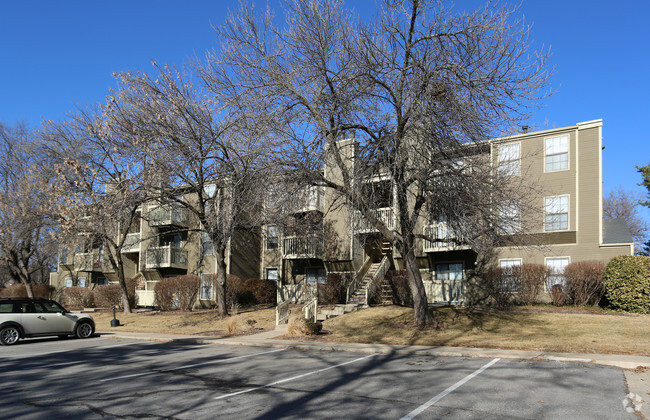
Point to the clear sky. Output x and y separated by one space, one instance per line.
57 54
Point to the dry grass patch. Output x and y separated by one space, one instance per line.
202 322
525 330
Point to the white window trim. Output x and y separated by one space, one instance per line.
559 257
568 213
277 236
266 273
568 153
508 161
520 262
209 288
511 228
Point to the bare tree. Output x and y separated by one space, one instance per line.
624 204
415 86
203 155
24 225
98 192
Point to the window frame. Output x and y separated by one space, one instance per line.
506 163
449 264
556 154
318 279
547 214
511 285
549 284
207 288
270 269
270 244
510 210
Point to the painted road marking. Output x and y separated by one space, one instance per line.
294 377
447 391
188 366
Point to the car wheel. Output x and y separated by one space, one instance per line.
9 335
84 330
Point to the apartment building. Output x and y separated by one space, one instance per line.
565 164
163 241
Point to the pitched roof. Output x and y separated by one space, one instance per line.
615 231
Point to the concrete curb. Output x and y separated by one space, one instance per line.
269 339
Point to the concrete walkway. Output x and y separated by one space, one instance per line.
637 368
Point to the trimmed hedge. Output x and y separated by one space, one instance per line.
18 290
111 295
627 283
178 292
78 297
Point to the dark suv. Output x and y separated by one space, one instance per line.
24 317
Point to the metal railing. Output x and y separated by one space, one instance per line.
308 246
386 215
88 261
282 313
166 256
167 215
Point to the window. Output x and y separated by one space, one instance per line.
272 274
208 246
449 271
206 286
557 154
102 281
315 275
68 282
510 270
81 282
510 218
509 163
557 213
272 237
557 266
63 256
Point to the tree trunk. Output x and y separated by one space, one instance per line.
28 287
122 281
421 311
222 308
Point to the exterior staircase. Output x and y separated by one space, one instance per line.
343 309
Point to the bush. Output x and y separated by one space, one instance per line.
531 281
233 289
313 327
78 297
332 291
584 281
111 294
18 290
178 292
500 284
258 291
559 296
399 284
627 283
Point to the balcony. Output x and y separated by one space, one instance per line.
386 215
131 243
310 199
166 257
297 247
440 237
167 215
88 261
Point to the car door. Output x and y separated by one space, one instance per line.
50 319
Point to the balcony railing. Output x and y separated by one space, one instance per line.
308 246
167 215
166 257
88 261
440 237
131 243
386 215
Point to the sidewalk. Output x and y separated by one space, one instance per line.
270 339
636 368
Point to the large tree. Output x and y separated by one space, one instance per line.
203 155
645 175
24 225
98 192
418 86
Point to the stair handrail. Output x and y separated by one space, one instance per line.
352 286
311 309
383 268
282 313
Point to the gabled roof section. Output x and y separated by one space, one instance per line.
615 231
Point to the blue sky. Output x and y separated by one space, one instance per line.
56 54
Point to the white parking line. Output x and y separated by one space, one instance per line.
294 377
189 366
447 391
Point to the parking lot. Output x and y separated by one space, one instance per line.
109 378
